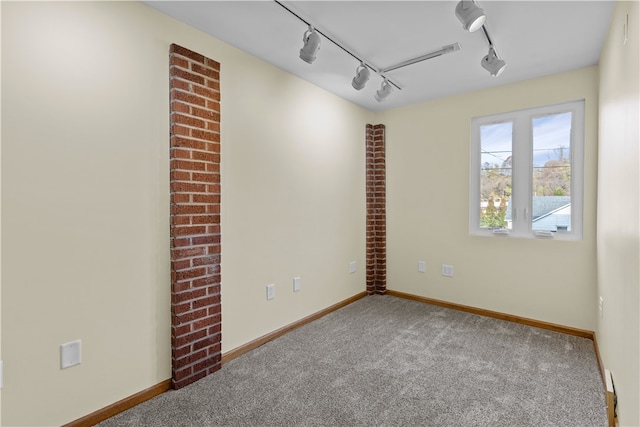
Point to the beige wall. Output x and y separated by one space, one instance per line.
85 200
618 331
293 200
0 214
428 210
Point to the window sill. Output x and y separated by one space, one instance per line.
533 235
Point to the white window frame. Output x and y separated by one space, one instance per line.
522 172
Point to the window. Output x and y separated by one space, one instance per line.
527 173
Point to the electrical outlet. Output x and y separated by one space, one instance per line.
70 354
421 267
1 382
447 270
271 291
296 284
352 267
601 307
625 30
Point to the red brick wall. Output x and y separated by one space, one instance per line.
376 210
195 216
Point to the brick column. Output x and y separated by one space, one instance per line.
195 216
376 210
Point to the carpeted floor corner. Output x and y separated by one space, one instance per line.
387 361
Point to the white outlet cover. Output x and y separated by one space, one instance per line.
421 267
447 270
271 291
352 267
601 308
296 284
70 354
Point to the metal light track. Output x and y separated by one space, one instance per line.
349 51
445 49
381 72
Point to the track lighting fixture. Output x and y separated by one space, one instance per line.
361 78
384 91
471 16
492 63
311 40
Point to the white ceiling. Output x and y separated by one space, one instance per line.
535 38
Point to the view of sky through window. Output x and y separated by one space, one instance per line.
551 172
496 143
551 138
496 149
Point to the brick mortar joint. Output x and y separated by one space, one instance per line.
191 60
191 92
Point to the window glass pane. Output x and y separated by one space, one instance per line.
551 185
496 149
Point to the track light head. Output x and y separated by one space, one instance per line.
492 63
471 16
384 91
311 40
361 78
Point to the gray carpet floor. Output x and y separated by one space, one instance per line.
387 361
